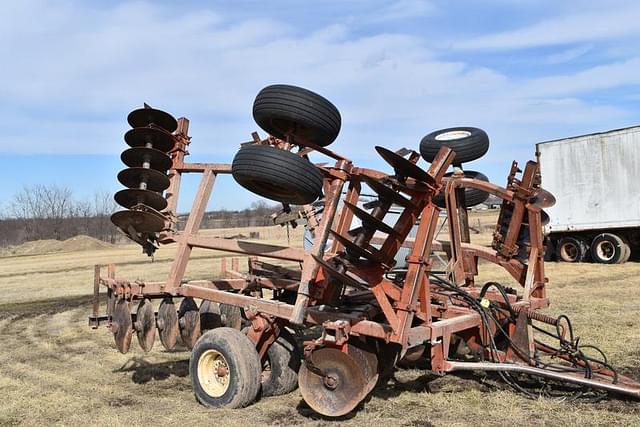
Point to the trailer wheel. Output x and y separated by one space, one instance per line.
280 370
607 248
469 143
472 196
280 109
277 174
572 249
225 369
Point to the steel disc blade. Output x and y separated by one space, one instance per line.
189 322
131 197
157 138
142 222
146 116
341 388
370 220
366 358
387 193
209 315
136 156
167 323
358 251
543 199
544 218
132 177
145 324
404 167
121 325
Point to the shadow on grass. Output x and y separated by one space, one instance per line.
28 309
145 371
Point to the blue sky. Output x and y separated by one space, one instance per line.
524 70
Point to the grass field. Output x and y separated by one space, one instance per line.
55 370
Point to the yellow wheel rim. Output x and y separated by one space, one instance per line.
213 373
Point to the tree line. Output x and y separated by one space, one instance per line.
52 212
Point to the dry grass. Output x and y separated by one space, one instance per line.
54 370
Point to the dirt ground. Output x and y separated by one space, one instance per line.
55 370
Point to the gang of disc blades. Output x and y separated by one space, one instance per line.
146 116
159 139
136 156
142 222
130 197
404 167
132 177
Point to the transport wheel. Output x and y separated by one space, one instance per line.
225 369
468 143
209 315
145 324
167 323
277 174
189 322
340 387
280 109
572 249
121 325
280 367
607 248
472 196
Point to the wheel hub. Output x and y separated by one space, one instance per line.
213 373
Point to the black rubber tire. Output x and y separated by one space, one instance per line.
472 196
284 360
471 143
277 174
243 368
572 249
279 108
607 248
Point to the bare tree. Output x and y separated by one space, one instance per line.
103 207
43 209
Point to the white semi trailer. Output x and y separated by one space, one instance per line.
595 179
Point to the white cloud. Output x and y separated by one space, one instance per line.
569 55
402 9
609 21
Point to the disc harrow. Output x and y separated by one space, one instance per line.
364 307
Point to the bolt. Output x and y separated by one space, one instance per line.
331 382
